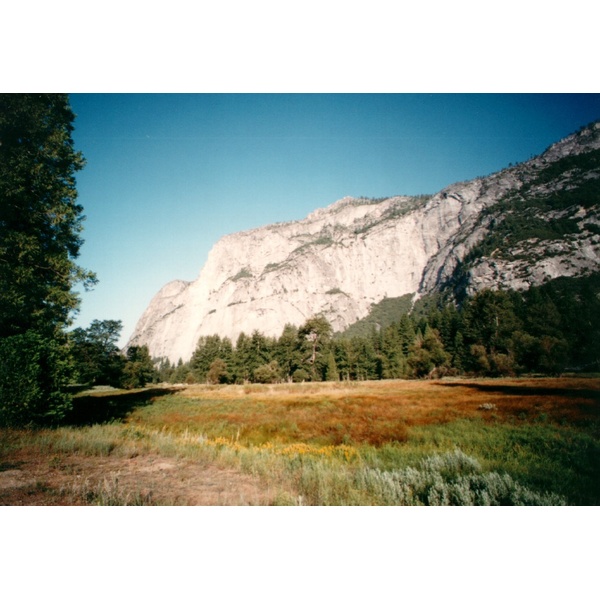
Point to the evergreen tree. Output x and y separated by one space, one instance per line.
406 332
363 359
208 349
138 370
287 351
490 320
331 371
578 302
40 226
34 372
261 348
241 359
342 351
251 352
165 369
394 365
449 325
40 219
458 352
182 373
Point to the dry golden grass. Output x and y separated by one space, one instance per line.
55 477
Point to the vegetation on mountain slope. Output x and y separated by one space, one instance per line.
560 203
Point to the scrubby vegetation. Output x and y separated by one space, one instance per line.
381 315
545 207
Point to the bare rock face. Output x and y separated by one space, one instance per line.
342 259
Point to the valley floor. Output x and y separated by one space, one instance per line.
361 443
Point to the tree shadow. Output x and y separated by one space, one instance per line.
563 405
525 390
10 466
92 409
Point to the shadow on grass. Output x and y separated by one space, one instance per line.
10 466
91 409
563 404
525 390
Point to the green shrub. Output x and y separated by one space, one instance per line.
34 372
270 373
300 375
242 274
451 479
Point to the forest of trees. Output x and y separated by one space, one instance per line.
546 330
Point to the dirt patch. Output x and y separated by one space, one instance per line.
71 480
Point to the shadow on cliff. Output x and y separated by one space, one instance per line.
91 409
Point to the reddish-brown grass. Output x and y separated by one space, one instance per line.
377 412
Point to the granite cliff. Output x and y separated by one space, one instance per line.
516 228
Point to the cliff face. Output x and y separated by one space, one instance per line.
342 259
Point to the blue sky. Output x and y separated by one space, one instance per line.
167 175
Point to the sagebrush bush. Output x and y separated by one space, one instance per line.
451 479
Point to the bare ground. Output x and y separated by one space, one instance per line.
59 480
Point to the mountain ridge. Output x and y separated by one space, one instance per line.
342 259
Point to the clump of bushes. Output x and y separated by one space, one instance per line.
451 479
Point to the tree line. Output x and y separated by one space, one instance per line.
546 330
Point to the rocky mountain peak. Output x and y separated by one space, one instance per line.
342 259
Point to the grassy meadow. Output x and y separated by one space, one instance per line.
447 442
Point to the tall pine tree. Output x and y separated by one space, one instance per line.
40 219
40 227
